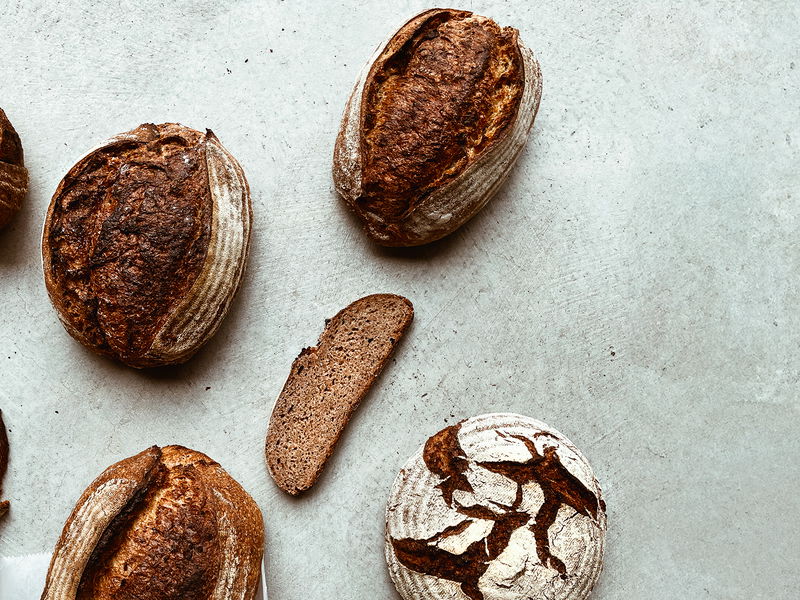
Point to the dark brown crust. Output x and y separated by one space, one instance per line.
3 463
444 456
13 175
167 542
126 237
326 385
447 87
174 518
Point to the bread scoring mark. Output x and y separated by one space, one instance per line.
95 511
558 485
468 567
127 236
435 104
444 456
164 544
196 316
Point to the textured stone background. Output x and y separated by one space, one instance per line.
635 284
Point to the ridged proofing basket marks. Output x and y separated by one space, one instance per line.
118 493
450 206
192 319
475 510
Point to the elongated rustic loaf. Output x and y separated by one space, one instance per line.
326 384
145 244
13 174
3 463
496 507
435 122
166 524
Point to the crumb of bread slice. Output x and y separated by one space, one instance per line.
326 384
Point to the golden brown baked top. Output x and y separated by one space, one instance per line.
444 90
127 235
166 524
164 545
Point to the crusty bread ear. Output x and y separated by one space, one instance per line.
327 383
416 160
166 524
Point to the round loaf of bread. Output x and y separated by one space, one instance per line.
436 120
496 507
166 524
145 244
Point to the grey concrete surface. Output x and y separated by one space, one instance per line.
635 284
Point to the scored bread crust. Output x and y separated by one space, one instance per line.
497 507
13 174
458 198
145 244
326 384
110 513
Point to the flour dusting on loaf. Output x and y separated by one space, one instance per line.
496 507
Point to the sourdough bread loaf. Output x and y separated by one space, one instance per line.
496 507
326 385
145 244
166 524
435 122
13 174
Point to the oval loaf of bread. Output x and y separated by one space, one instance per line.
145 244
166 524
496 507
434 124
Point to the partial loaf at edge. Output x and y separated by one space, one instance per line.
3 463
166 524
326 385
13 174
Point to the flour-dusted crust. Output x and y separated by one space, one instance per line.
436 120
166 524
146 242
3 463
13 174
496 507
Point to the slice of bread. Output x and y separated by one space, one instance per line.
326 384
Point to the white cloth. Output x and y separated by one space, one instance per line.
22 577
